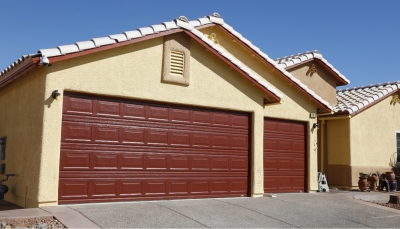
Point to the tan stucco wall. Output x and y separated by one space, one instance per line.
134 72
373 137
296 105
337 146
365 143
321 82
21 120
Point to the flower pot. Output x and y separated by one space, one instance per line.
393 185
390 176
363 183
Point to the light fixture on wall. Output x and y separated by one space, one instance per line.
44 61
55 94
315 125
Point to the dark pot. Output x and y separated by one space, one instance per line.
392 185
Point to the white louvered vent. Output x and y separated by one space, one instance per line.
177 63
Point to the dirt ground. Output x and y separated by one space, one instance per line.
42 222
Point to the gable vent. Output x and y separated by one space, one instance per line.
177 63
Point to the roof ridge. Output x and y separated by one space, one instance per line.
369 86
296 55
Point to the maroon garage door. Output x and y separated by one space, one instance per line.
284 156
113 150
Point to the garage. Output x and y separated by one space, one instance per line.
284 156
116 150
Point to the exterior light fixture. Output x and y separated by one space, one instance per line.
315 125
55 94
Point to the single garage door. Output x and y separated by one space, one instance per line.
284 156
116 150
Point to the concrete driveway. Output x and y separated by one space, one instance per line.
286 210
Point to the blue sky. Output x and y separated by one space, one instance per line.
359 38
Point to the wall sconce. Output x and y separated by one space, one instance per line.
315 125
55 94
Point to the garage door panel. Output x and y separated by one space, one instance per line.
105 134
142 188
158 113
114 150
283 184
104 161
130 188
202 140
131 161
106 108
180 115
72 160
155 187
73 189
156 162
77 106
136 111
180 138
112 160
240 121
76 132
132 136
95 133
239 142
103 188
284 156
284 145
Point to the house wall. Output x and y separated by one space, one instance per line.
295 104
337 146
21 120
321 82
134 72
373 138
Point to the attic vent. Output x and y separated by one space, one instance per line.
177 63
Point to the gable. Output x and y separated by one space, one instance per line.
260 66
317 78
100 44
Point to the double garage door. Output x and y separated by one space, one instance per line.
115 150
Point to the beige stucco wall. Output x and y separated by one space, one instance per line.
21 120
321 82
373 138
365 143
134 72
337 150
295 104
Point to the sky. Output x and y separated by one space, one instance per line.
360 38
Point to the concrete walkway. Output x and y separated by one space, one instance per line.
335 209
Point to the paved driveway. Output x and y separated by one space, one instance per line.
286 210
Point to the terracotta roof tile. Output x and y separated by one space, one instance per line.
289 61
353 100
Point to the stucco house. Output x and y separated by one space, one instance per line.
182 109
362 134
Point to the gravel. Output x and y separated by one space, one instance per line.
41 222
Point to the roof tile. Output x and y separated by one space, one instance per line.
354 99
